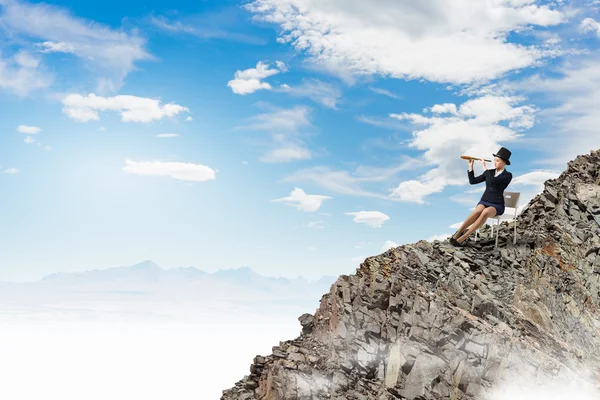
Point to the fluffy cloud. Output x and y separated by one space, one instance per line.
29 130
535 178
446 108
374 219
250 80
177 170
476 127
408 39
132 108
10 171
23 73
302 201
316 90
590 25
109 53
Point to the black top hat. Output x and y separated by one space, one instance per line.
504 154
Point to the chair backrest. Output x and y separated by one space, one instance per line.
511 199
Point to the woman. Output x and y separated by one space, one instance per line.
492 200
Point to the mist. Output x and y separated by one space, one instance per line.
139 360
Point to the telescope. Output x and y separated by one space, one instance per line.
473 158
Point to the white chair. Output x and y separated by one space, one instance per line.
511 200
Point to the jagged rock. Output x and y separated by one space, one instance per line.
430 321
306 320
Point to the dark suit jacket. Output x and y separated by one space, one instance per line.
494 186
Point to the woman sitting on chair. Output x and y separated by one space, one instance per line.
492 200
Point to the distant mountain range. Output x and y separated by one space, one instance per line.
146 288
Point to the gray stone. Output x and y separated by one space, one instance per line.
430 321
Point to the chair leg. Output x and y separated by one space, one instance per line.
497 232
515 241
476 232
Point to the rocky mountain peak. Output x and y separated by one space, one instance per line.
432 321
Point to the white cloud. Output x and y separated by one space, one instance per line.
281 119
374 219
314 224
29 130
245 162
316 90
281 65
456 225
132 108
30 140
389 245
535 178
286 128
10 171
590 25
459 41
439 237
287 154
465 200
385 92
477 127
177 170
250 80
167 135
102 129
23 73
109 53
351 182
55 47
189 119
574 116
302 201
415 191
444 108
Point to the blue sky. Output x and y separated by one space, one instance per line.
295 137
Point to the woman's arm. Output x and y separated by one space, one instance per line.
473 179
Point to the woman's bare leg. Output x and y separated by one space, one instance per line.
470 219
485 214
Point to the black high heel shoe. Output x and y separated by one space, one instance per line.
462 233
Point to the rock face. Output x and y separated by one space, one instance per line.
432 321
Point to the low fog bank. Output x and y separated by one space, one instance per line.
74 360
